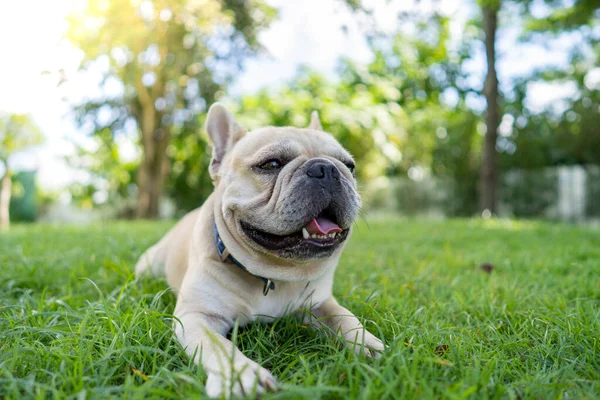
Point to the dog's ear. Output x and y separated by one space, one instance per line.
315 122
224 131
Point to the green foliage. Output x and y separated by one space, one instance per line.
111 175
347 110
566 16
190 184
457 156
75 323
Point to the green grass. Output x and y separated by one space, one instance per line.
75 324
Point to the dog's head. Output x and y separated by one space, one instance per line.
283 192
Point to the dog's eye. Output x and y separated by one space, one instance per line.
270 165
350 166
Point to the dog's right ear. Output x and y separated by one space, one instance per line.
315 122
224 131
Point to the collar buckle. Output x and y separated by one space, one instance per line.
268 284
225 254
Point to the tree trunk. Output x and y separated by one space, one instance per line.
151 177
489 168
5 193
154 167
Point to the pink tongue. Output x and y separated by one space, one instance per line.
322 226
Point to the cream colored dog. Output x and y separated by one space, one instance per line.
265 243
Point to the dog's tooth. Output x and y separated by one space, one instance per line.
314 236
305 234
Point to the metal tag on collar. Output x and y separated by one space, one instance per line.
224 254
267 287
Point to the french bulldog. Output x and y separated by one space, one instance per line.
265 243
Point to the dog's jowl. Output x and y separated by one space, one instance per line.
265 243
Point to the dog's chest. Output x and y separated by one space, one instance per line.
287 298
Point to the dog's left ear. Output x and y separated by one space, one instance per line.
315 122
224 131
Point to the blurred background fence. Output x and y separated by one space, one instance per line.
566 193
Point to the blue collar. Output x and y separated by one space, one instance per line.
225 255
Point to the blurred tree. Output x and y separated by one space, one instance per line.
457 156
189 183
162 62
563 16
17 133
111 179
488 197
565 132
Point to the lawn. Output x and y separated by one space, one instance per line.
75 324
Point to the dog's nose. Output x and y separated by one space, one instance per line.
323 169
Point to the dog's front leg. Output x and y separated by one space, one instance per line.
342 322
229 372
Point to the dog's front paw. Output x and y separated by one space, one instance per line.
365 341
248 379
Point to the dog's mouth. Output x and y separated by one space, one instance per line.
321 234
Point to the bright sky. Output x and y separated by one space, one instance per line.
307 33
